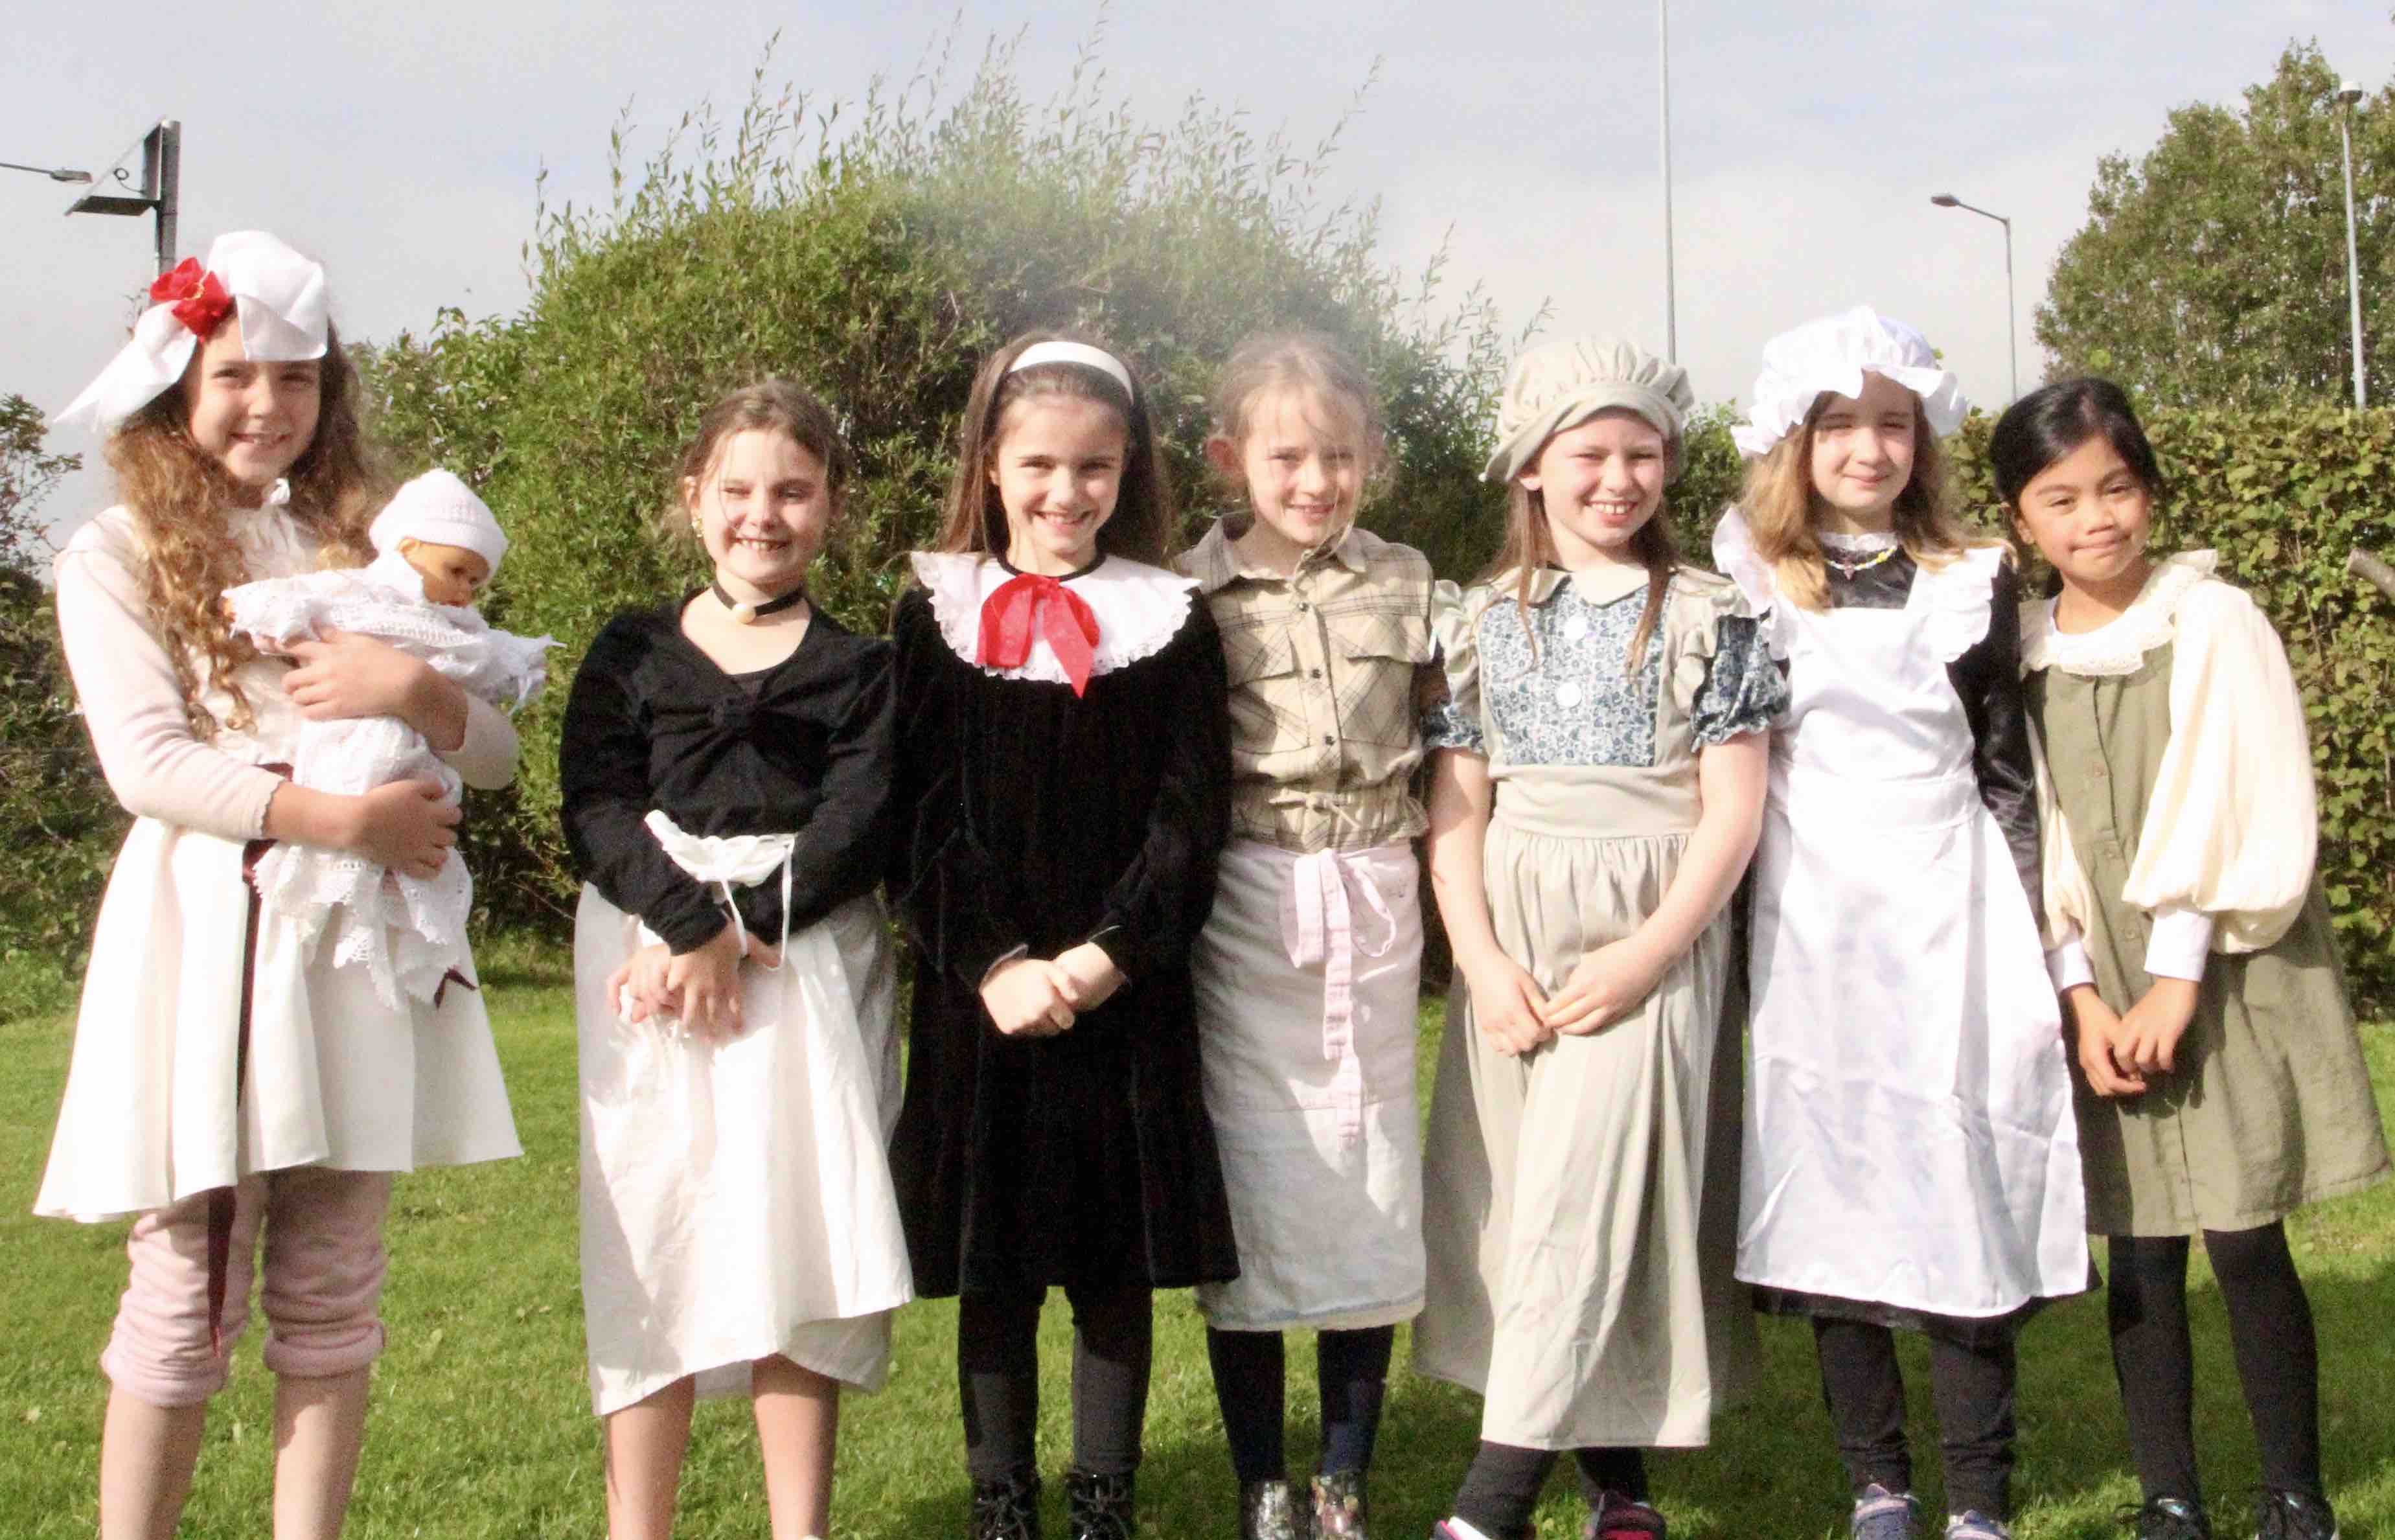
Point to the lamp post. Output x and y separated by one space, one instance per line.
1664 72
2012 339
162 182
2348 97
56 173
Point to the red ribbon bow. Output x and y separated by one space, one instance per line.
200 300
1029 602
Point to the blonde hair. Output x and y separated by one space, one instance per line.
1141 527
178 493
1312 362
1531 544
776 405
1778 500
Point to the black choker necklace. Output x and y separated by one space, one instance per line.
748 614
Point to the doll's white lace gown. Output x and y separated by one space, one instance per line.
409 933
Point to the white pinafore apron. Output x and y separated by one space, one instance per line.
1909 1139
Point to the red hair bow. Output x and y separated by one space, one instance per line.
200 300
1029 602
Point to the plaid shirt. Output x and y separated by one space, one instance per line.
1329 668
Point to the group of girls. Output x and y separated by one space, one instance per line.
1148 829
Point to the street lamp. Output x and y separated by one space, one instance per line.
162 182
56 173
2012 340
2348 96
1664 70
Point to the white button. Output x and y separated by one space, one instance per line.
1576 628
1568 694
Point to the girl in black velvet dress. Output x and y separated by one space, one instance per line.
1064 786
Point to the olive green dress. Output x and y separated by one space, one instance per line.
2268 1105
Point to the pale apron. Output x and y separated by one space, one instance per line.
1909 1132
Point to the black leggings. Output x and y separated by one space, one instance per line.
997 1372
1973 1387
2270 1330
1502 1485
1352 1368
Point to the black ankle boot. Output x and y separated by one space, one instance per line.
1006 1510
1099 1506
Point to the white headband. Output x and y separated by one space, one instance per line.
281 296
1075 352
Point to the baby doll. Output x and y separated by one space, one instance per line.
436 545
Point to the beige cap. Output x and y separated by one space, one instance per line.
1559 385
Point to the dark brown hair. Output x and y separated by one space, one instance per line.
178 493
1141 526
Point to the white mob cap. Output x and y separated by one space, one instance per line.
1834 353
438 509
281 296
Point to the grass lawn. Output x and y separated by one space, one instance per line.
481 1423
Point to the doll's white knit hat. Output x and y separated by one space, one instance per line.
438 509
1562 384
1834 353
279 293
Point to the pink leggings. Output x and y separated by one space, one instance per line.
323 1277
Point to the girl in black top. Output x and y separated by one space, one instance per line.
725 771
1063 780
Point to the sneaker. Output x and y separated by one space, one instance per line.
1975 1525
1884 1515
2168 1519
2283 1515
1617 1517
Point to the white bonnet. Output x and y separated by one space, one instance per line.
438 509
1561 384
1833 354
281 296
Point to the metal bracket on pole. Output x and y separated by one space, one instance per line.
162 182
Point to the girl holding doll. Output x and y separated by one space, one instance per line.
1064 786
1309 968
1909 1156
2221 1085
725 769
229 1078
1595 791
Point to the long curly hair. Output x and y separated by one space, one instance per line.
1778 499
178 493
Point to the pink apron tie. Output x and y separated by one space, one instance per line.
1318 926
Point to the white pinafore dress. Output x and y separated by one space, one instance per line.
1910 1140
737 1200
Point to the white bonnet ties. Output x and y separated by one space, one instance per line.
1075 352
439 509
1562 384
279 293
1833 354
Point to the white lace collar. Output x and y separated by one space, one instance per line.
1140 609
2119 646
1860 543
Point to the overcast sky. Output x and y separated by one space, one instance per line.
400 143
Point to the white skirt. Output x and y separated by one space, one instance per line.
1309 1079
735 1197
335 1078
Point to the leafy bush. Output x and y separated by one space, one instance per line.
878 256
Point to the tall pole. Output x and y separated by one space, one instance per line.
2352 262
167 165
1670 287
2012 327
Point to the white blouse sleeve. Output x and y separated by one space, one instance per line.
2232 827
156 764
2070 898
486 759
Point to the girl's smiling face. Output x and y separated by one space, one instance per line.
1862 454
1058 467
1601 480
2089 513
764 512
256 419
1302 460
